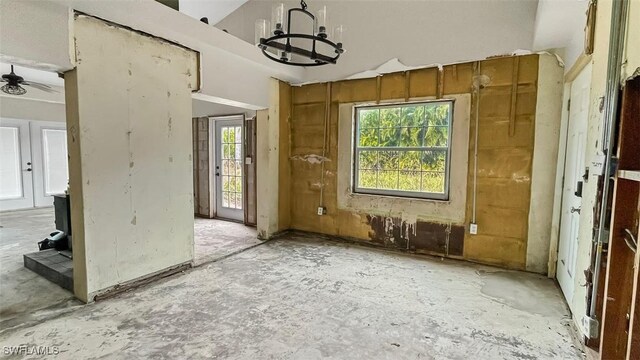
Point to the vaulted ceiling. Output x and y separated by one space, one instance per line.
213 10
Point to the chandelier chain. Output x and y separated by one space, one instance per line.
303 5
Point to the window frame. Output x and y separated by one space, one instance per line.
402 193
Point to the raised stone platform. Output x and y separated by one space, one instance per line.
52 265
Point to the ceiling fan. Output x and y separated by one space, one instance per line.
14 82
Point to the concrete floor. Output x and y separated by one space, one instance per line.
27 297
215 239
23 293
304 298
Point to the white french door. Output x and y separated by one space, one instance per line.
49 153
574 169
33 163
229 168
16 180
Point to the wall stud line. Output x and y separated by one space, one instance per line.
514 96
476 90
327 115
440 84
407 85
378 88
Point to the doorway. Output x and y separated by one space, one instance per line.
229 172
574 177
224 181
33 163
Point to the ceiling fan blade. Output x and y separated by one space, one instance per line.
39 86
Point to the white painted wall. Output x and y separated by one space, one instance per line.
16 107
130 152
38 33
545 156
416 32
560 24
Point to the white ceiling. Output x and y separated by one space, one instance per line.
206 108
558 22
214 10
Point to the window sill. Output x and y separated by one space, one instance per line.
398 197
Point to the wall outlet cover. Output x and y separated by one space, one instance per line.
321 210
473 229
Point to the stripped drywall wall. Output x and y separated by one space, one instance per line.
202 189
507 116
543 174
130 152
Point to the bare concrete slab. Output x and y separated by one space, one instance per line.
215 239
308 299
22 291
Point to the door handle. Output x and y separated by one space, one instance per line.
574 210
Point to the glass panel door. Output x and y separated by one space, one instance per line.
229 168
16 189
50 171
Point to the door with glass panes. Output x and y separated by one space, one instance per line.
229 168
33 163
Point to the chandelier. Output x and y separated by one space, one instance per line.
285 46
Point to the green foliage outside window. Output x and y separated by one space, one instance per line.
403 148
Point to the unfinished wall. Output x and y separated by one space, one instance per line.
130 150
273 174
507 133
202 191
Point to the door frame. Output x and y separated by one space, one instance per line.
213 129
557 228
26 201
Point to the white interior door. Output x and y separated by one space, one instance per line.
16 189
229 168
50 170
573 175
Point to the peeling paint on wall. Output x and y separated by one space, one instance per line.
311 158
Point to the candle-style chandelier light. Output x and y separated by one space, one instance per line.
294 48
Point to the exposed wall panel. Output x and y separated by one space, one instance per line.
507 118
201 168
130 149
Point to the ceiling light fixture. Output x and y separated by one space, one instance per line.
280 40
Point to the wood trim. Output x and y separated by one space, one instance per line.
577 67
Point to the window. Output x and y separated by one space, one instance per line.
403 149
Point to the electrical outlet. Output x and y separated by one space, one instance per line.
473 229
322 210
